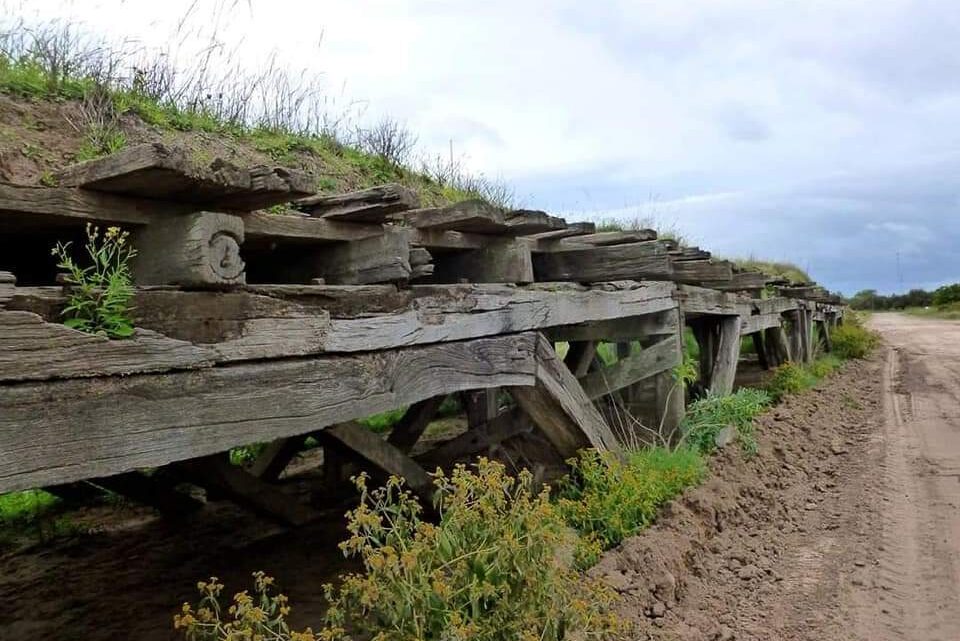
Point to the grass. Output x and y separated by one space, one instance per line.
285 116
29 505
707 416
792 378
944 312
777 269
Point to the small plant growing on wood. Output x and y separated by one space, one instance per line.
100 293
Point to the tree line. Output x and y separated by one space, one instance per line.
940 297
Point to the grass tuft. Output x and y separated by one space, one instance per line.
706 417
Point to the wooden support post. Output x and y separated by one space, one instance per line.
795 320
560 407
659 357
806 336
506 260
381 259
760 348
480 406
670 394
778 349
580 356
275 457
387 458
705 332
728 355
217 473
825 339
410 428
191 250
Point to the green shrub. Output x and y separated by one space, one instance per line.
947 295
491 568
852 340
707 416
789 378
608 499
100 293
824 366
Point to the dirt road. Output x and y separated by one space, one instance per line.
845 527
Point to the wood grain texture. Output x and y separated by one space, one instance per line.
156 171
661 356
373 205
196 249
758 323
561 409
260 225
629 328
714 272
32 349
30 205
637 261
505 260
62 431
382 259
728 355
8 282
477 440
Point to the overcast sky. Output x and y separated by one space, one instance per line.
822 132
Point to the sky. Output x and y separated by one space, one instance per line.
826 133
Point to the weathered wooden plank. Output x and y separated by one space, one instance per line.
8 282
457 312
627 328
697 300
260 225
21 204
659 357
758 323
710 272
382 454
505 425
775 305
689 253
32 349
63 431
777 344
741 281
246 489
646 260
571 230
560 408
410 428
383 259
607 238
156 171
373 205
192 250
522 222
275 458
470 216
760 349
580 356
506 260
728 355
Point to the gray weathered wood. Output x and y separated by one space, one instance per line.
242 487
760 349
631 369
523 222
728 355
98 427
154 170
627 328
381 259
410 428
506 260
697 300
758 322
646 260
193 250
571 230
470 216
8 282
605 238
710 272
303 229
275 458
560 408
373 205
32 349
779 347
478 439
383 455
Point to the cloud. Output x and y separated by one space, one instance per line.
822 132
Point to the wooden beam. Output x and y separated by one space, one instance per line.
63 431
386 457
197 249
522 222
275 458
382 259
702 271
607 238
631 369
779 347
560 408
470 216
758 323
697 300
373 205
23 205
646 260
480 438
410 428
154 170
628 328
760 349
571 230
8 282
302 229
242 487
505 260
728 355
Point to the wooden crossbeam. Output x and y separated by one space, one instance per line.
85 428
644 260
560 408
385 456
373 205
481 438
505 260
659 357
410 428
275 458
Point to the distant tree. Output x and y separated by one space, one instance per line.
864 299
947 294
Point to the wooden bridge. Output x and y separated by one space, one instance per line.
256 326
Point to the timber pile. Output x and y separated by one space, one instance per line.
259 326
